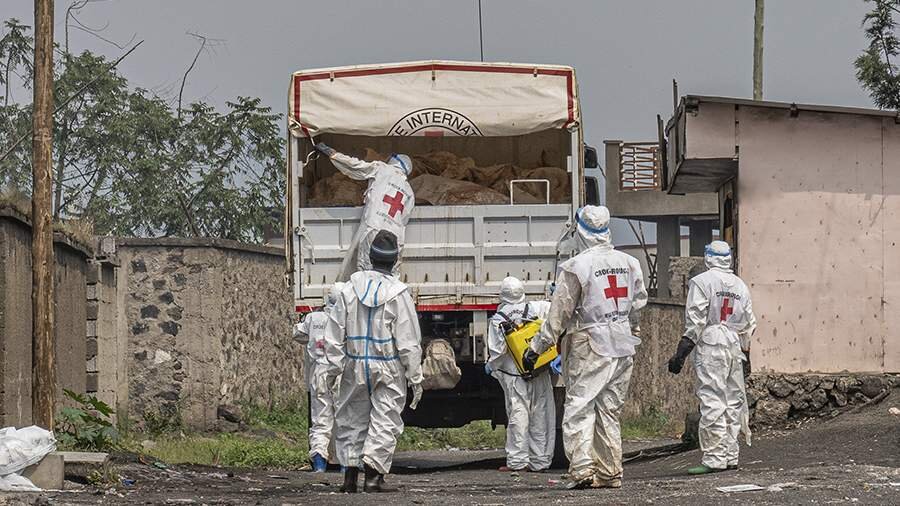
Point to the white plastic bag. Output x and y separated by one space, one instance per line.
23 447
16 483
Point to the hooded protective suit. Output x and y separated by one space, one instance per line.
531 430
719 320
321 392
595 294
388 204
373 342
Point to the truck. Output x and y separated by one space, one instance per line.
455 256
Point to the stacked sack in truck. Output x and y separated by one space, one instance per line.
442 178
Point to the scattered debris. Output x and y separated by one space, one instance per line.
748 487
779 487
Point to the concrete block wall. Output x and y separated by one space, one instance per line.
15 316
105 344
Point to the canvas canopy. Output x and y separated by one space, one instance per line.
433 98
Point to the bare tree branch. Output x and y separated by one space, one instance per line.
104 39
202 40
75 7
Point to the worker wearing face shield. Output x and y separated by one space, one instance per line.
719 321
388 204
530 409
596 293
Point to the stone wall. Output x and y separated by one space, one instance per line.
681 270
653 388
208 323
15 316
779 398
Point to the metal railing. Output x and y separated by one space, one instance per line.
640 167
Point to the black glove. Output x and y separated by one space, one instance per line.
529 358
323 148
746 365
685 346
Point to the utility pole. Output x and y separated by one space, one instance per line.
43 349
480 32
758 50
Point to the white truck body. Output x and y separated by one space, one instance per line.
454 256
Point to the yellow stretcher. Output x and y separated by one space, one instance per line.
520 338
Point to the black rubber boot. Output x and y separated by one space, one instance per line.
374 481
351 476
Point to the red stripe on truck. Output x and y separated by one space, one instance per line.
427 307
456 307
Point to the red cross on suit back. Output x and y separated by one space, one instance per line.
395 203
615 292
726 310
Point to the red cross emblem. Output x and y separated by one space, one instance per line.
396 203
726 310
615 292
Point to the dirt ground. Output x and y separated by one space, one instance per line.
853 458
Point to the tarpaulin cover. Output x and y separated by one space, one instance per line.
433 98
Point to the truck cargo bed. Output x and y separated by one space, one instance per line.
453 254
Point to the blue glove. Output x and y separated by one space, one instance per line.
556 365
487 369
325 149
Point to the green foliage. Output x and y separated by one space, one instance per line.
652 424
231 451
289 418
16 50
129 162
87 426
876 69
474 436
164 420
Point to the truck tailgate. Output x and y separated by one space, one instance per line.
453 254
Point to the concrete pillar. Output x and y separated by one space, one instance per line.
701 235
613 167
668 244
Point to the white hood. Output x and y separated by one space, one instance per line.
375 289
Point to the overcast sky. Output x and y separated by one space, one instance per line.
625 52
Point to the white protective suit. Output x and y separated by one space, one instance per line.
373 342
719 320
321 392
388 204
531 429
596 291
